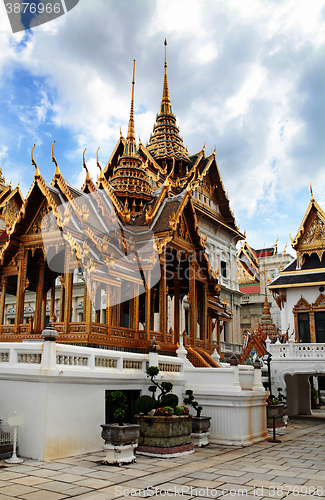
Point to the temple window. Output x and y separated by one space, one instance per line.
223 266
303 327
320 326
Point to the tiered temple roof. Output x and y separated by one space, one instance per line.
140 219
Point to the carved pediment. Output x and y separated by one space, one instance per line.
302 305
183 231
320 301
315 233
10 213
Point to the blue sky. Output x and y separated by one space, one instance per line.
247 77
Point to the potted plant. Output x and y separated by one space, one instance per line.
120 439
165 427
275 407
200 425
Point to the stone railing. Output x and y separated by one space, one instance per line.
73 359
296 350
21 353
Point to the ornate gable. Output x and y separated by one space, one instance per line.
320 301
310 237
302 305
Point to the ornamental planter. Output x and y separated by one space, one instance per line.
165 437
200 428
120 443
280 411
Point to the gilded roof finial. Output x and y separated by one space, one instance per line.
165 97
57 170
131 135
120 131
85 166
37 172
101 175
311 193
2 178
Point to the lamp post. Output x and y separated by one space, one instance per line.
267 358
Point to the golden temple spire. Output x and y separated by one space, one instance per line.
131 135
37 174
165 102
266 309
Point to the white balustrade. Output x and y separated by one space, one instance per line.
101 362
4 357
30 358
71 360
169 367
297 350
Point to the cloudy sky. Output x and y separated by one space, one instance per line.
246 76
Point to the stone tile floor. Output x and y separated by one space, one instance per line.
293 468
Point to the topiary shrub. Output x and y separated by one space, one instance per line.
118 398
144 404
170 400
189 400
181 410
164 411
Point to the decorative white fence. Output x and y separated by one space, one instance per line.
6 432
296 350
76 358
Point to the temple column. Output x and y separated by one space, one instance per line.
192 301
2 300
52 313
147 306
204 313
176 310
62 298
43 315
135 308
153 292
219 328
98 304
21 285
39 295
312 327
88 307
210 330
108 310
163 298
68 282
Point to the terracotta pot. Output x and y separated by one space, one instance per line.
200 424
120 434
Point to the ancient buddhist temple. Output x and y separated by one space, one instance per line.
130 242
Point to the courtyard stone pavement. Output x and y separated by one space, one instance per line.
293 468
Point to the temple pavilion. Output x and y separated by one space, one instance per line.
133 237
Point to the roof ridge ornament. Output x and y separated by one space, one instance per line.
85 166
311 193
57 169
101 174
37 173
